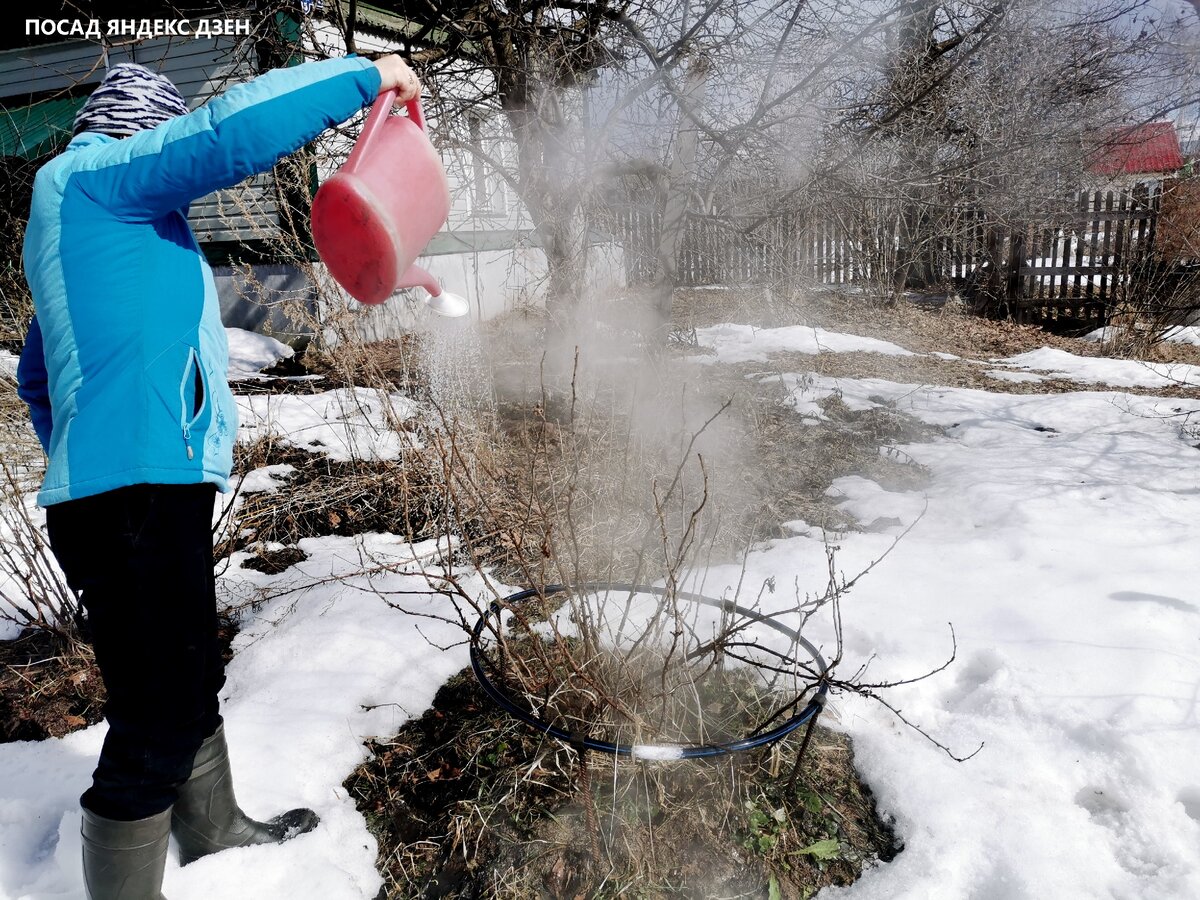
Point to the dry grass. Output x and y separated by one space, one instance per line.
22 453
394 364
325 497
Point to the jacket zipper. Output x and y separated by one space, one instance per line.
190 372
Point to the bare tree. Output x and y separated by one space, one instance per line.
601 96
958 121
529 62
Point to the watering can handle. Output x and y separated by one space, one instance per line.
380 110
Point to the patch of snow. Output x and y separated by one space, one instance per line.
1178 334
8 364
1099 370
15 588
744 343
250 352
1183 334
1102 335
267 479
1015 377
343 424
875 507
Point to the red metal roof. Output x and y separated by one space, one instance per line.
1142 150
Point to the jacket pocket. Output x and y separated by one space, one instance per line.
193 398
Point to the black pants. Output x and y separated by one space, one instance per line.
141 559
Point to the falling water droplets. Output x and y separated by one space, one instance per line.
460 385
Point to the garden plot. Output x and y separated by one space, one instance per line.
1057 533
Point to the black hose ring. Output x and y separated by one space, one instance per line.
646 751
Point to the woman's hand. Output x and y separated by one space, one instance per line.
395 73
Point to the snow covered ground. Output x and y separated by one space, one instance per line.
744 343
1060 537
1176 334
1058 533
1118 372
251 352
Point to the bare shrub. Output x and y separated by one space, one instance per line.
33 592
576 484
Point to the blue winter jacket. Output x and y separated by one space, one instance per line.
124 368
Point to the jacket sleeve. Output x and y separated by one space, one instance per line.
32 383
242 132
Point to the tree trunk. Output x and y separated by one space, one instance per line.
912 69
554 191
680 177
565 243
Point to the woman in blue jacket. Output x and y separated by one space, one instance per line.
124 373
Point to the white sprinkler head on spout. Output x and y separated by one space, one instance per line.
447 304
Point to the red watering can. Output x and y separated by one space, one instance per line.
372 219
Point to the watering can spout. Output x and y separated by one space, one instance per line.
441 302
415 276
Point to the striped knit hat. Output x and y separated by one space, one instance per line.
131 98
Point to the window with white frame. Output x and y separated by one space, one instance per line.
489 191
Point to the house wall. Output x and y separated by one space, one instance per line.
490 280
198 67
494 282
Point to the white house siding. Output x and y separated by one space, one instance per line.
495 282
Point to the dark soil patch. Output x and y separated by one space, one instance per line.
467 804
49 687
309 384
272 562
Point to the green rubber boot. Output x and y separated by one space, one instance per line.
124 860
207 818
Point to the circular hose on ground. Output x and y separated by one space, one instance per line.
646 751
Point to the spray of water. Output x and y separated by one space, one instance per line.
459 380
